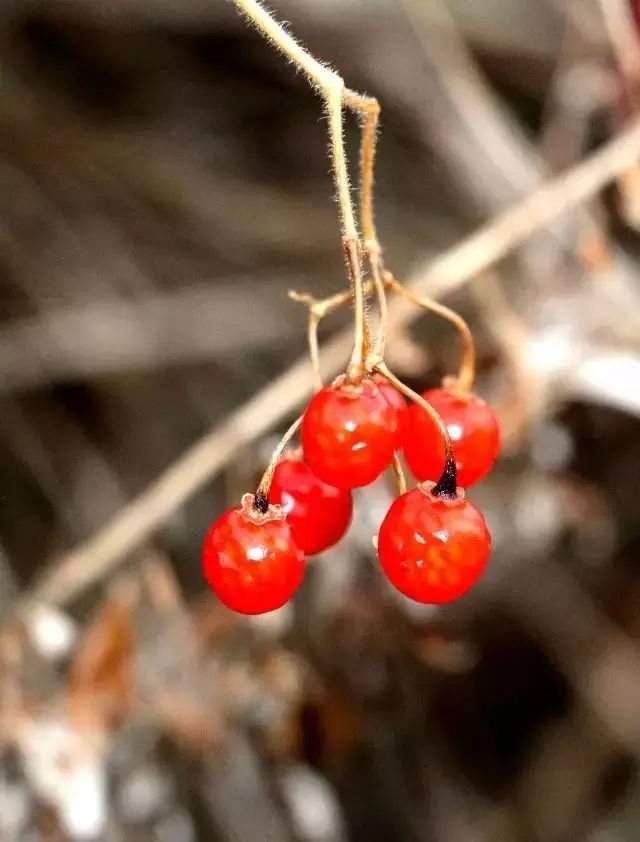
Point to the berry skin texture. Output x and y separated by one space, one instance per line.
349 433
251 561
318 514
433 549
474 432
401 407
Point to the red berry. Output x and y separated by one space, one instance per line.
318 514
431 548
397 401
250 559
473 429
349 433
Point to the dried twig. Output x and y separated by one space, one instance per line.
98 556
621 33
89 340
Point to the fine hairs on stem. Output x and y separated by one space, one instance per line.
368 109
363 359
319 309
467 370
332 89
261 501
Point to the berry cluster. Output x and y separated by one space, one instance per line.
433 543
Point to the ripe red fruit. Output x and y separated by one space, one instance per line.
318 514
349 433
401 407
250 560
473 429
433 549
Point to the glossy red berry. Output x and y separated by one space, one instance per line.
251 561
401 407
433 549
318 514
349 433
473 429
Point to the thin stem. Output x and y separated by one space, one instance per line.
355 369
401 482
261 502
466 371
317 311
375 264
314 351
332 89
368 109
446 485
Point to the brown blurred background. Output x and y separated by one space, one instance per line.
163 183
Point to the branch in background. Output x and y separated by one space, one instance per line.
196 323
67 577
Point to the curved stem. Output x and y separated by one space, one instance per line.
317 311
314 352
355 369
261 501
466 372
446 485
332 89
375 264
368 109
401 482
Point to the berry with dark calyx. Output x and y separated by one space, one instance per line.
433 548
472 427
349 433
400 405
251 560
318 514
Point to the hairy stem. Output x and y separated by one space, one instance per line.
317 311
466 371
368 109
332 89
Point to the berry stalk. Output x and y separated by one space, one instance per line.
467 369
401 482
261 500
447 484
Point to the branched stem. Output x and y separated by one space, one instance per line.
466 372
261 502
332 89
319 309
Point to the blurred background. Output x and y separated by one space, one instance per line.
164 182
